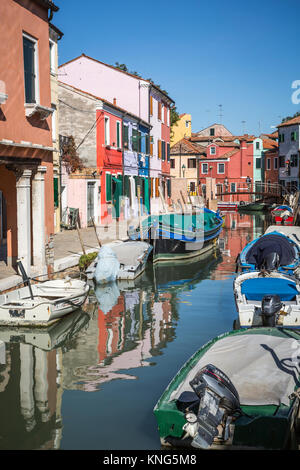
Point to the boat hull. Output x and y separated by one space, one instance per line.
51 301
261 427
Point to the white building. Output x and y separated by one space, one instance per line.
288 140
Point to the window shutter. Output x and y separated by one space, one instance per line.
135 144
55 183
151 105
125 136
159 111
169 187
156 187
151 187
168 152
159 148
108 186
163 150
139 141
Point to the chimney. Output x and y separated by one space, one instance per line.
115 101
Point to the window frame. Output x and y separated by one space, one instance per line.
118 134
212 150
218 169
106 130
202 166
36 69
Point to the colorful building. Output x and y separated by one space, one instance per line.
289 146
137 96
181 129
26 146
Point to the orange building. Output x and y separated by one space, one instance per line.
26 152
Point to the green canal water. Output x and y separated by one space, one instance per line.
92 383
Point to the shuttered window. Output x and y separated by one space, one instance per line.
135 140
163 150
147 149
169 187
151 105
168 152
159 111
125 136
108 187
156 187
159 148
118 134
55 184
29 52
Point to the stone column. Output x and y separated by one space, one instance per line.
23 218
38 218
26 386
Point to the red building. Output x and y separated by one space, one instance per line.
271 162
110 160
230 163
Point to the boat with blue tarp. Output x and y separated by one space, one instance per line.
267 299
273 250
179 236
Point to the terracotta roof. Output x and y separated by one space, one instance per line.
186 146
290 122
104 101
118 70
270 144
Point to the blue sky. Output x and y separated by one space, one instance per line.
243 55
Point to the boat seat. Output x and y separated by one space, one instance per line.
256 289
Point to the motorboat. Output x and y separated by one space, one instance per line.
238 391
267 300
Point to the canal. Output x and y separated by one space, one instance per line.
92 383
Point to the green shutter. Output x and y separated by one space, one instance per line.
168 152
125 136
108 186
169 187
55 184
135 143
139 141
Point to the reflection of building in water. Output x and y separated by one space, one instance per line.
28 398
126 337
237 232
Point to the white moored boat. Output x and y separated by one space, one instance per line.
42 303
269 300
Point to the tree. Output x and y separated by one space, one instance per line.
70 156
287 118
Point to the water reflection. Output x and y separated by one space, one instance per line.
126 327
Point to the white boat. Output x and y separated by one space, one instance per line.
42 303
267 300
47 338
131 256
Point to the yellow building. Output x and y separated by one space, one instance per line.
181 129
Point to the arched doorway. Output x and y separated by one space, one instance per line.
3 229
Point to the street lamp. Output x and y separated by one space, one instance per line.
183 169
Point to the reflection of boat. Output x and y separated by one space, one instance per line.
42 303
49 337
247 399
272 250
228 206
253 206
180 236
130 258
107 296
171 276
272 300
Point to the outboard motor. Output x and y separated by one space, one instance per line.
219 400
270 262
270 308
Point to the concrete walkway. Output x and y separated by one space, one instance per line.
68 249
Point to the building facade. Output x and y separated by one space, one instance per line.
288 141
181 129
26 146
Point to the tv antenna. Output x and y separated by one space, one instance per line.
221 114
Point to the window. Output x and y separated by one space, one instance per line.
191 162
221 167
257 144
187 123
52 56
258 163
108 186
53 122
30 69
168 152
139 137
212 131
125 136
268 163
172 163
204 168
106 131
159 148
213 150
294 160
163 150
275 163
118 134
151 105
147 144
135 140
168 117
159 111
232 187
162 113
281 161
294 136
281 137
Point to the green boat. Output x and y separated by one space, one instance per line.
253 207
238 391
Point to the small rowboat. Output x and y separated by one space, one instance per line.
267 300
238 391
42 303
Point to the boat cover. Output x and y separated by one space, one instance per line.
257 288
271 243
263 368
